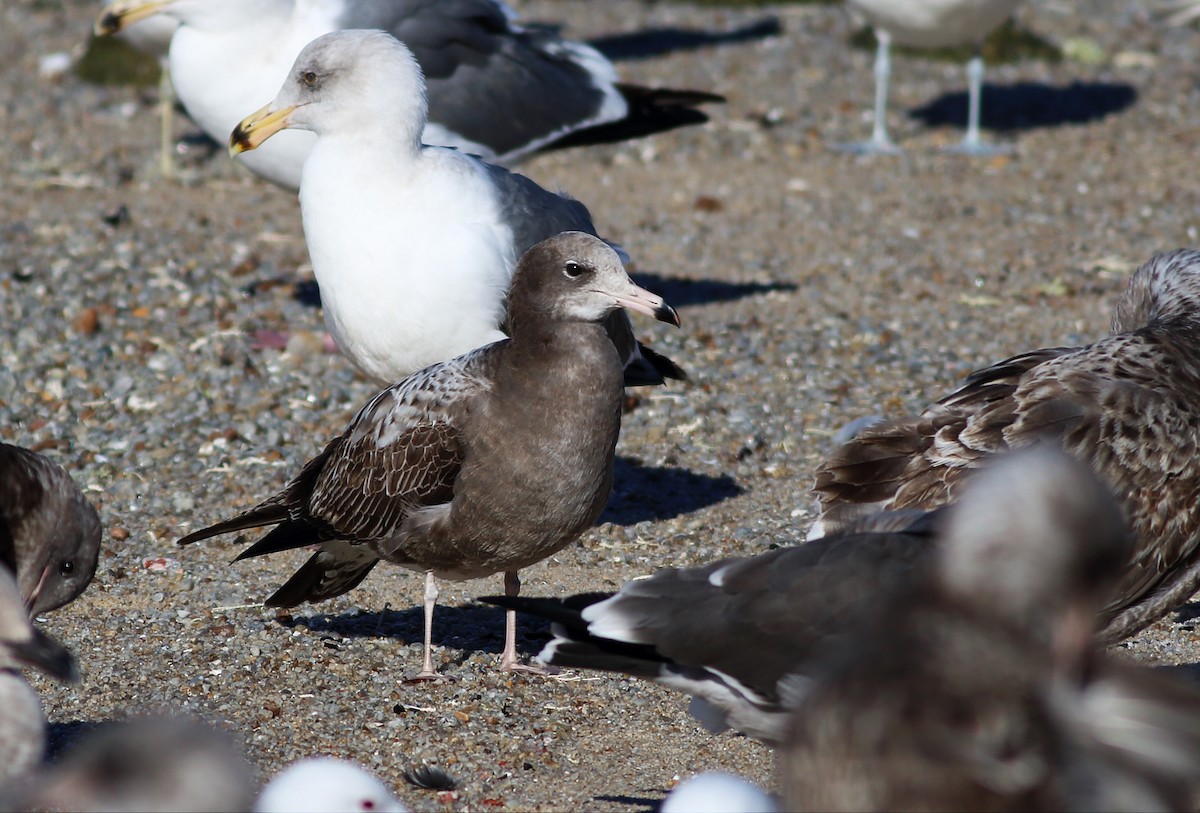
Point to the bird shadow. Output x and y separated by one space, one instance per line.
655 42
681 292
646 492
640 802
470 628
1030 105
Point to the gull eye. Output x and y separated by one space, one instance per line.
66 568
310 78
573 270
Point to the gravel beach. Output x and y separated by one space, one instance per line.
814 287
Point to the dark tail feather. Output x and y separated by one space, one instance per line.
651 110
652 369
266 514
314 582
286 536
561 611
573 646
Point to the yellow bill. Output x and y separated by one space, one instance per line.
118 16
256 128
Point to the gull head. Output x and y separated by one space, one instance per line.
1040 541
346 82
575 276
325 783
219 15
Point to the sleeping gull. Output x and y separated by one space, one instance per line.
486 463
22 724
930 24
413 246
978 685
49 532
1128 405
496 89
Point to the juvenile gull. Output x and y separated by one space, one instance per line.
736 634
978 687
413 246
486 463
496 89
1127 405
146 764
22 724
49 532
930 24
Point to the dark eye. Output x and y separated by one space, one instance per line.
66 568
573 269
309 78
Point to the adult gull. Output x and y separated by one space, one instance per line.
930 24
496 89
413 246
483 464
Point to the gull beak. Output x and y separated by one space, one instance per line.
256 128
120 15
45 653
641 300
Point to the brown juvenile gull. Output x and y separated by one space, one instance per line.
486 463
930 24
146 764
413 246
1127 405
49 532
497 89
22 724
735 634
977 686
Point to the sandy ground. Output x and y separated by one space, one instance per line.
814 286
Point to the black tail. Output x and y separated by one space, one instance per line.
576 648
285 536
260 515
651 110
321 578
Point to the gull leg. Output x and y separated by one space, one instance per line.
431 596
166 123
972 144
880 142
508 658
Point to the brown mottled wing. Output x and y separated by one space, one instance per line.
917 462
401 452
1122 405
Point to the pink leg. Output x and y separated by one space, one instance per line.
431 596
508 658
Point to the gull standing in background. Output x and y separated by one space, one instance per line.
496 89
930 24
413 246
